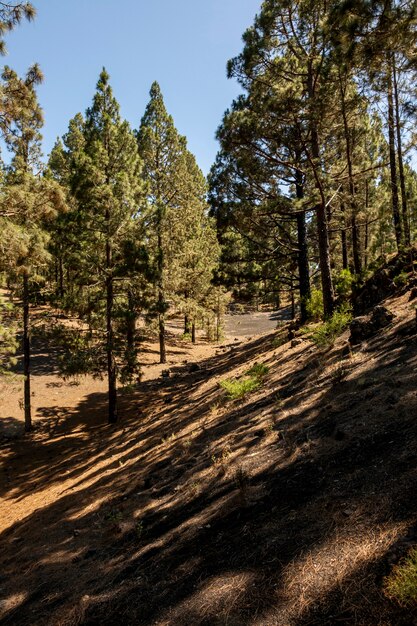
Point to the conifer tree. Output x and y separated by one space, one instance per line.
162 150
287 56
101 168
28 201
181 238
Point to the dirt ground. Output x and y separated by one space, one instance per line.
53 397
285 508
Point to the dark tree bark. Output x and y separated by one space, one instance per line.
111 363
321 210
343 235
357 263
405 218
303 266
187 325
131 334
26 354
393 165
161 294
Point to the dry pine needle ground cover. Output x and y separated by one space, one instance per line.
287 507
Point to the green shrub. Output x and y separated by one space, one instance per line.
329 330
279 340
259 370
186 337
401 279
314 306
344 284
401 584
238 387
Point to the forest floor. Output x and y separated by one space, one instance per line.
54 398
285 508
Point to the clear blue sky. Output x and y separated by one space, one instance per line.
183 44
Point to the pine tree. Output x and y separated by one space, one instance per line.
162 150
28 201
104 180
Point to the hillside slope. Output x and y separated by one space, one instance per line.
287 507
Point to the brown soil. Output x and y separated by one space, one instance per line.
286 508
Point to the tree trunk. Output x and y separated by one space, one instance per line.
366 244
292 300
131 335
26 354
187 325
355 229
162 346
321 212
357 261
161 294
60 277
405 219
345 256
393 165
303 266
218 319
193 332
111 364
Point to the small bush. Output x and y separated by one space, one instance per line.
186 337
328 331
259 370
401 585
401 280
139 529
279 340
344 284
314 306
238 388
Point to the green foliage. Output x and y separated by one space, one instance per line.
401 279
343 284
139 529
238 388
11 14
259 370
252 380
8 341
327 332
314 306
280 339
401 585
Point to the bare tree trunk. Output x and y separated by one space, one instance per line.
355 229
405 219
303 266
292 300
193 332
26 354
393 165
345 257
187 326
366 244
111 363
321 211
131 334
161 294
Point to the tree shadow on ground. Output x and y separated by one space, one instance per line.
281 509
